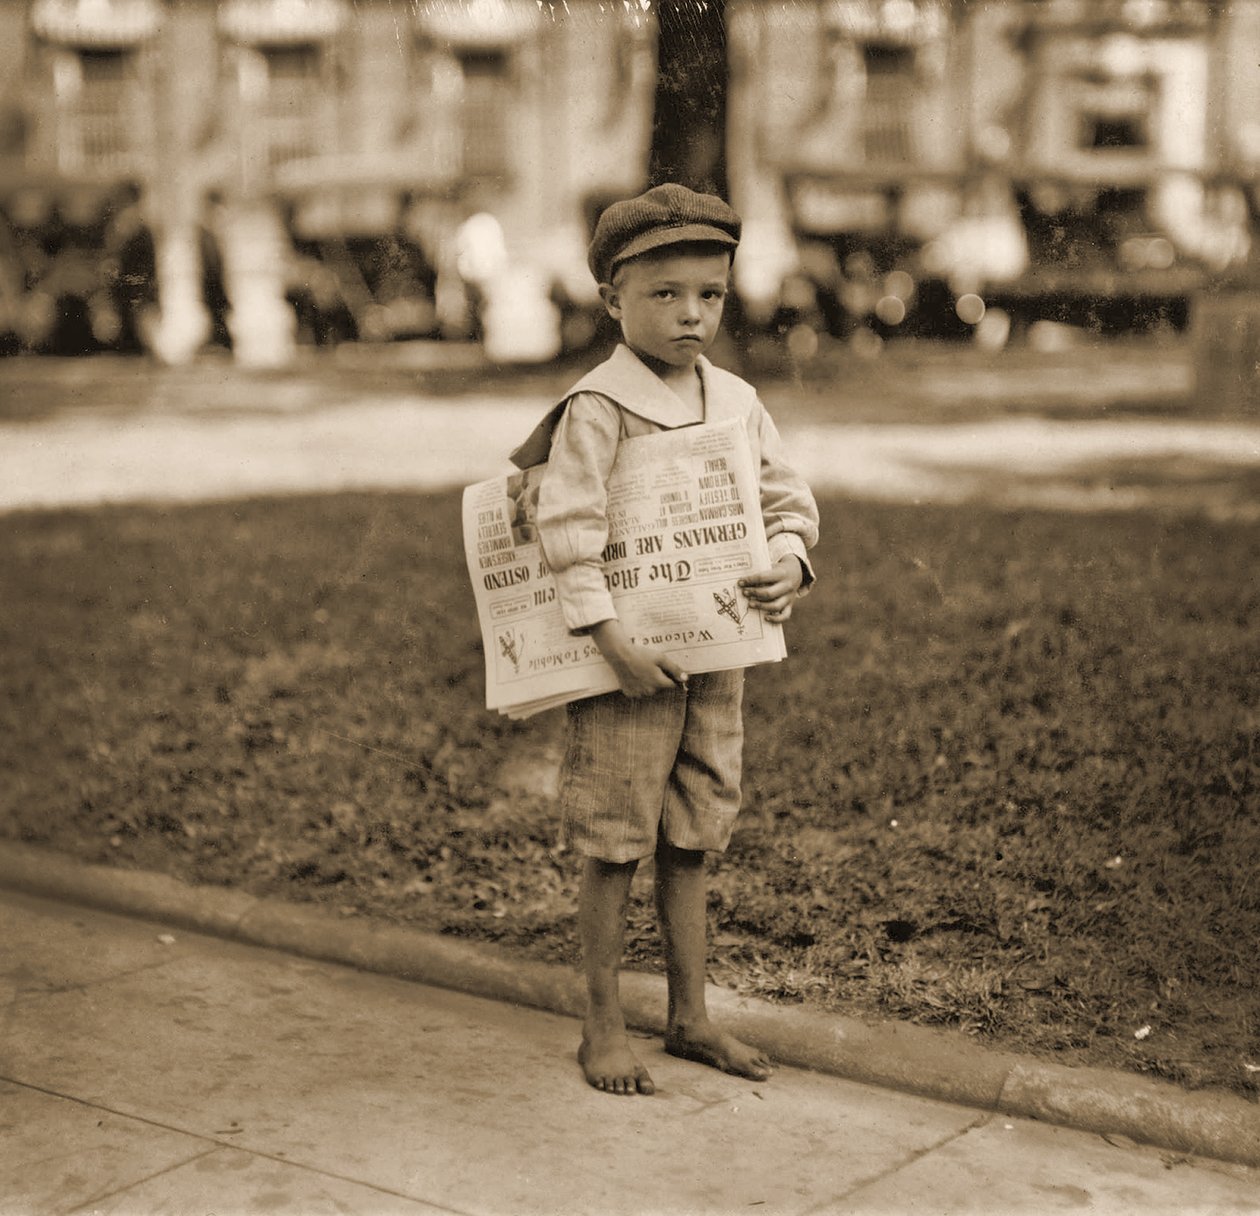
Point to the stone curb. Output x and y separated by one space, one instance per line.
930 1062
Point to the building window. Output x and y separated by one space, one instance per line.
485 111
1100 132
887 131
1114 114
294 98
100 123
103 108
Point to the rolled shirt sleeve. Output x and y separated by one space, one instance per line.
573 508
787 503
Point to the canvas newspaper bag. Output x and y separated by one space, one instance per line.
685 524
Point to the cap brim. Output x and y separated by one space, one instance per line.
660 238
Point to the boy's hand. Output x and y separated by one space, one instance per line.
774 591
641 671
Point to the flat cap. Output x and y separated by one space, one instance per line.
665 215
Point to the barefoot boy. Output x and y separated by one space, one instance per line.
654 769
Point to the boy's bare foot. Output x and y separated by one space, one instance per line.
709 1045
609 1064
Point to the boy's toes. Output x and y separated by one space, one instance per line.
761 1062
708 1045
610 1067
760 1069
757 1067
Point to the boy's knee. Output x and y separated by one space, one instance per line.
607 870
672 855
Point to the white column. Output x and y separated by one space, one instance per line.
182 324
261 322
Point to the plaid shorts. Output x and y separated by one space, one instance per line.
667 765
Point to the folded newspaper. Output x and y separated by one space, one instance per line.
685 523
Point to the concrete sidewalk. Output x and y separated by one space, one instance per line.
83 459
148 1069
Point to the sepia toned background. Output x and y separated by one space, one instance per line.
261 175
278 277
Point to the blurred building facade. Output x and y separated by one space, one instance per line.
370 170
1086 160
276 170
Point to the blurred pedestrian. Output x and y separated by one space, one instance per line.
129 272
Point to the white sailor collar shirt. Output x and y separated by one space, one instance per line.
623 398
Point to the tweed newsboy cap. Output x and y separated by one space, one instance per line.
665 215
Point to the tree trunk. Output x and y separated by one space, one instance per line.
689 126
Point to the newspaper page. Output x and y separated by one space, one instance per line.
685 523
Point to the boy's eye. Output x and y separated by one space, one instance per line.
714 294
663 293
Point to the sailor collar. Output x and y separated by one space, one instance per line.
625 379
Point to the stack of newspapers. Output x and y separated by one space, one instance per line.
685 524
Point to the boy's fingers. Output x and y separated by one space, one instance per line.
774 574
771 586
773 603
673 671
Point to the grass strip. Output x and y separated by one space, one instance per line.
1007 780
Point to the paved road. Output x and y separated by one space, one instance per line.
147 1070
83 458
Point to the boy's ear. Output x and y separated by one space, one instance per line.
612 300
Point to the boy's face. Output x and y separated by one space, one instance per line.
670 305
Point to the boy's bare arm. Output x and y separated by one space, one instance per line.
774 591
640 670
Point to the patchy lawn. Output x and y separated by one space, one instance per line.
1007 781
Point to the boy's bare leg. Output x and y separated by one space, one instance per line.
680 903
605 1054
